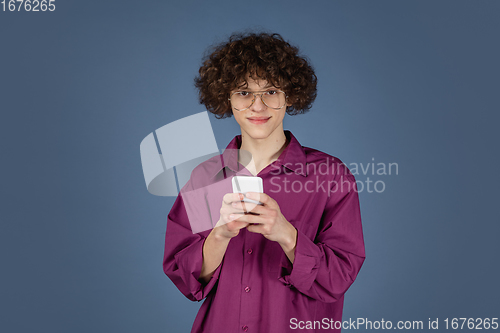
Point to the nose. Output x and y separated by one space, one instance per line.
258 105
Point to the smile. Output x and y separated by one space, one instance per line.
258 121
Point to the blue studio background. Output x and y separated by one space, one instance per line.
407 82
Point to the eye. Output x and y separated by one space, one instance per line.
271 92
243 93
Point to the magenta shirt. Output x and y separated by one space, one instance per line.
256 288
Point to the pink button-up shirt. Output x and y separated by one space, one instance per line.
256 288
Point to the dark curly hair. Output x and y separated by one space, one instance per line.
261 56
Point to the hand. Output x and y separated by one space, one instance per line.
216 243
227 227
267 219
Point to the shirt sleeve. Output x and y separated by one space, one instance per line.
324 268
183 256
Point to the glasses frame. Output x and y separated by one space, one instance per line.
254 93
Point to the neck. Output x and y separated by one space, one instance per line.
263 151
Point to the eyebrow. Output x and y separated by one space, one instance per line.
265 87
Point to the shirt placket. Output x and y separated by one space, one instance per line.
247 311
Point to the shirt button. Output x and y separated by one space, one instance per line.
249 251
244 328
247 289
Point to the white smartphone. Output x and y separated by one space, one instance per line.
244 184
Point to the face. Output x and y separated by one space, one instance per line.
259 121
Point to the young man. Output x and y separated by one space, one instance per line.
287 264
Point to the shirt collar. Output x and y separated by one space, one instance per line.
293 156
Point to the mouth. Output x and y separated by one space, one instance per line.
258 120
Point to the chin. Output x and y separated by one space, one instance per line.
258 134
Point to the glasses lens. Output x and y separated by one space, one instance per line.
241 100
273 98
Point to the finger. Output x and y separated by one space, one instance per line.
228 210
233 216
236 225
224 220
253 208
262 210
263 198
245 206
228 198
257 228
249 218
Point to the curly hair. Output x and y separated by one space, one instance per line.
259 56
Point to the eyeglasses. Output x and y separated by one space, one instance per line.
242 100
